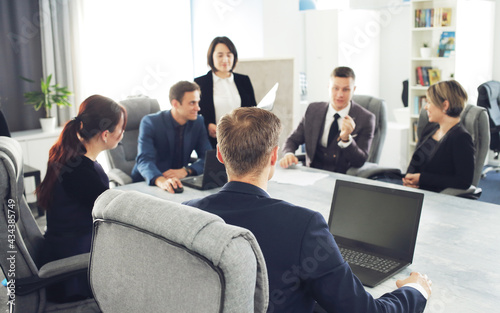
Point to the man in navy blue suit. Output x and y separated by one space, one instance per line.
167 139
303 261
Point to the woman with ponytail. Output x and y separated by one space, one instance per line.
73 182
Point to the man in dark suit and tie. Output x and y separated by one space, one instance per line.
167 139
337 134
303 261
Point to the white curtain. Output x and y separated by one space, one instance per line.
60 28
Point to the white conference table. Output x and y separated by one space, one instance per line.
457 244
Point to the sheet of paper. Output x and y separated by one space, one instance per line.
299 178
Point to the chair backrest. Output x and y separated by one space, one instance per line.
123 157
20 250
4 127
379 108
153 255
475 120
489 98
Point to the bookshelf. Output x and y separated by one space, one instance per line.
466 57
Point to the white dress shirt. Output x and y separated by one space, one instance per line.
328 123
226 96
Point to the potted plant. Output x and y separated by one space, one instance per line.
48 96
425 50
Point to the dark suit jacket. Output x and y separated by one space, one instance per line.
303 261
207 108
450 165
310 131
155 149
4 127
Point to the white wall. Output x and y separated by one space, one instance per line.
359 48
496 47
394 56
321 51
283 33
239 20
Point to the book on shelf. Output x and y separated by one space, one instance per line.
434 17
418 103
420 76
446 44
414 131
445 16
434 75
426 75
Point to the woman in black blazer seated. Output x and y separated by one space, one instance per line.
221 89
444 156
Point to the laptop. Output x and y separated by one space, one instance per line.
267 103
375 228
214 174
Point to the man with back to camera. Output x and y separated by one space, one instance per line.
291 236
337 134
167 139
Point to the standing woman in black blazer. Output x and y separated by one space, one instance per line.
222 90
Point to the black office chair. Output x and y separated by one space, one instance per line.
489 98
4 127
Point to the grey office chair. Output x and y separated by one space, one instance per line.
379 108
489 98
475 120
153 255
122 158
21 246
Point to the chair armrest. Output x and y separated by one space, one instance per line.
118 176
472 192
372 170
53 272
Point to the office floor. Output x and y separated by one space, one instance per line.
491 188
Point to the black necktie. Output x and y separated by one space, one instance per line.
334 129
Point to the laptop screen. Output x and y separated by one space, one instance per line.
377 217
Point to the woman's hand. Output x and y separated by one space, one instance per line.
212 130
411 180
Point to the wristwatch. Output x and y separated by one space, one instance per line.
189 171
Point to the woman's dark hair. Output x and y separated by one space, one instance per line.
229 44
96 115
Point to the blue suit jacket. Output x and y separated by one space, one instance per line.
156 141
303 261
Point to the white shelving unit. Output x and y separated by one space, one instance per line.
472 61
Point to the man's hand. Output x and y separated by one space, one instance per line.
179 173
417 278
168 184
288 160
346 128
411 180
212 130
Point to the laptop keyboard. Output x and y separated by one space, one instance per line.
368 261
